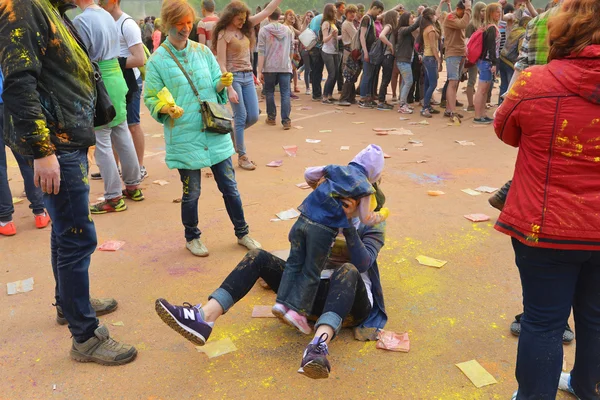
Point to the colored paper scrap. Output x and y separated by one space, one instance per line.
435 193
477 217
344 148
16 200
118 323
388 340
262 312
111 245
313 141
276 163
471 192
26 285
431 262
386 155
325 131
291 151
303 185
288 214
476 373
486 189
218 348
160 182
465 142
358 122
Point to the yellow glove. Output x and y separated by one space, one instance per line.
175 112
385 212
227 79
167 100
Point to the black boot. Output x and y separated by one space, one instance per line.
499 198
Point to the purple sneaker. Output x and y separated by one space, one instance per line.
188 320
314 361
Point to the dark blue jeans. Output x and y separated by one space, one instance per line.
34 194
553 281
225 178
430 65
316 68
310 247
72 242
506 74
271 80
366 84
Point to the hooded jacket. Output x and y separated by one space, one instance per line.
552 113
49 88
275 44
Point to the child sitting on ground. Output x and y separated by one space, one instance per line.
314 232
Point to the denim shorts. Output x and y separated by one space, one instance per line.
485 71
133 108
454 67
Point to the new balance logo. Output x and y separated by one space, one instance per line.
189 314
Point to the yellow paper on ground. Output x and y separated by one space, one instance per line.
431 262
476 373
218 348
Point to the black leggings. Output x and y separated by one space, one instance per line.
344 293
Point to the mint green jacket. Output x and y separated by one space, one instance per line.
187 145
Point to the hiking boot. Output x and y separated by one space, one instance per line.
271 122
100 306
135 194
9 229
405 109
102 349
384 107
287 125
298 321
314 360
106 206
197 248
187 320
245 163
42 220
249 243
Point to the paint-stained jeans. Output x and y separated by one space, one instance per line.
341 300
310 248
553 281
34 194
72 242
225 177
407 80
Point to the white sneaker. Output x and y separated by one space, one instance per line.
197 248
564 383
249 243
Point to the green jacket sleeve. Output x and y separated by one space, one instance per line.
153 85
215 73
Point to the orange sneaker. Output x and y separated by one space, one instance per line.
9 229
42 220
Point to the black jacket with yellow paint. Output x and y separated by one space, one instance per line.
49 89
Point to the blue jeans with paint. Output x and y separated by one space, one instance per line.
225 177
245 112
284 80
553 281
430 65
310 248
34 194
72 242
407 80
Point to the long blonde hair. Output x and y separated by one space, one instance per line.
478 23
489 10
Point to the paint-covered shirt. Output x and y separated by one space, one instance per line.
49 89
275 43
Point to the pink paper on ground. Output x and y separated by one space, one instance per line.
276 163
388 340
111 245
290 150
303 185
477 217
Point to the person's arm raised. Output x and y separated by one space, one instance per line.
258 18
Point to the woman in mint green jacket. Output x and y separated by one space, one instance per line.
188 147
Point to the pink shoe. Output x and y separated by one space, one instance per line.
279 310
297 321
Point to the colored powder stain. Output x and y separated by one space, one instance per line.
17 35
564 125
84 178
267 382
494 325
367 348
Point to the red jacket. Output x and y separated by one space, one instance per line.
552 113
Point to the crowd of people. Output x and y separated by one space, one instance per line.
547 64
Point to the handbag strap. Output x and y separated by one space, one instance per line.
184 72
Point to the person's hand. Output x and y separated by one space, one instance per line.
227 79
493 70
349 206
366 56
440 67
175 112
392 52
233 96
467 4
261 78
46 174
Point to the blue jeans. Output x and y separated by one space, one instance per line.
316 68
225 178
430 65
506 74
133 108
366 84
283 79
553 281
72 242
407 80
310 247
453 68
245 112
34 194
332 63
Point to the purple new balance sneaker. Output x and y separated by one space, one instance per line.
188 320
314 361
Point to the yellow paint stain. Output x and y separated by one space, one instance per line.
367 348
494 325
267 382
564 125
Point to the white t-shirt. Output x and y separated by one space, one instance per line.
130 36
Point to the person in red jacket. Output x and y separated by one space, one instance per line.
552 114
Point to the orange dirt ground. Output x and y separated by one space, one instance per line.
453 314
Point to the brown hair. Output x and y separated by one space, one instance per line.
391 18
576 26
231 10
329 14
351 8
173 11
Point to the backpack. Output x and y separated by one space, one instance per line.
355 45
475 47
147 53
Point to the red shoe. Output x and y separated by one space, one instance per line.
42 220
9 229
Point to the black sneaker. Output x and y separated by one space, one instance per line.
188 320
433 110
481 121
96 176
314 361
363 104
515 329
384 107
